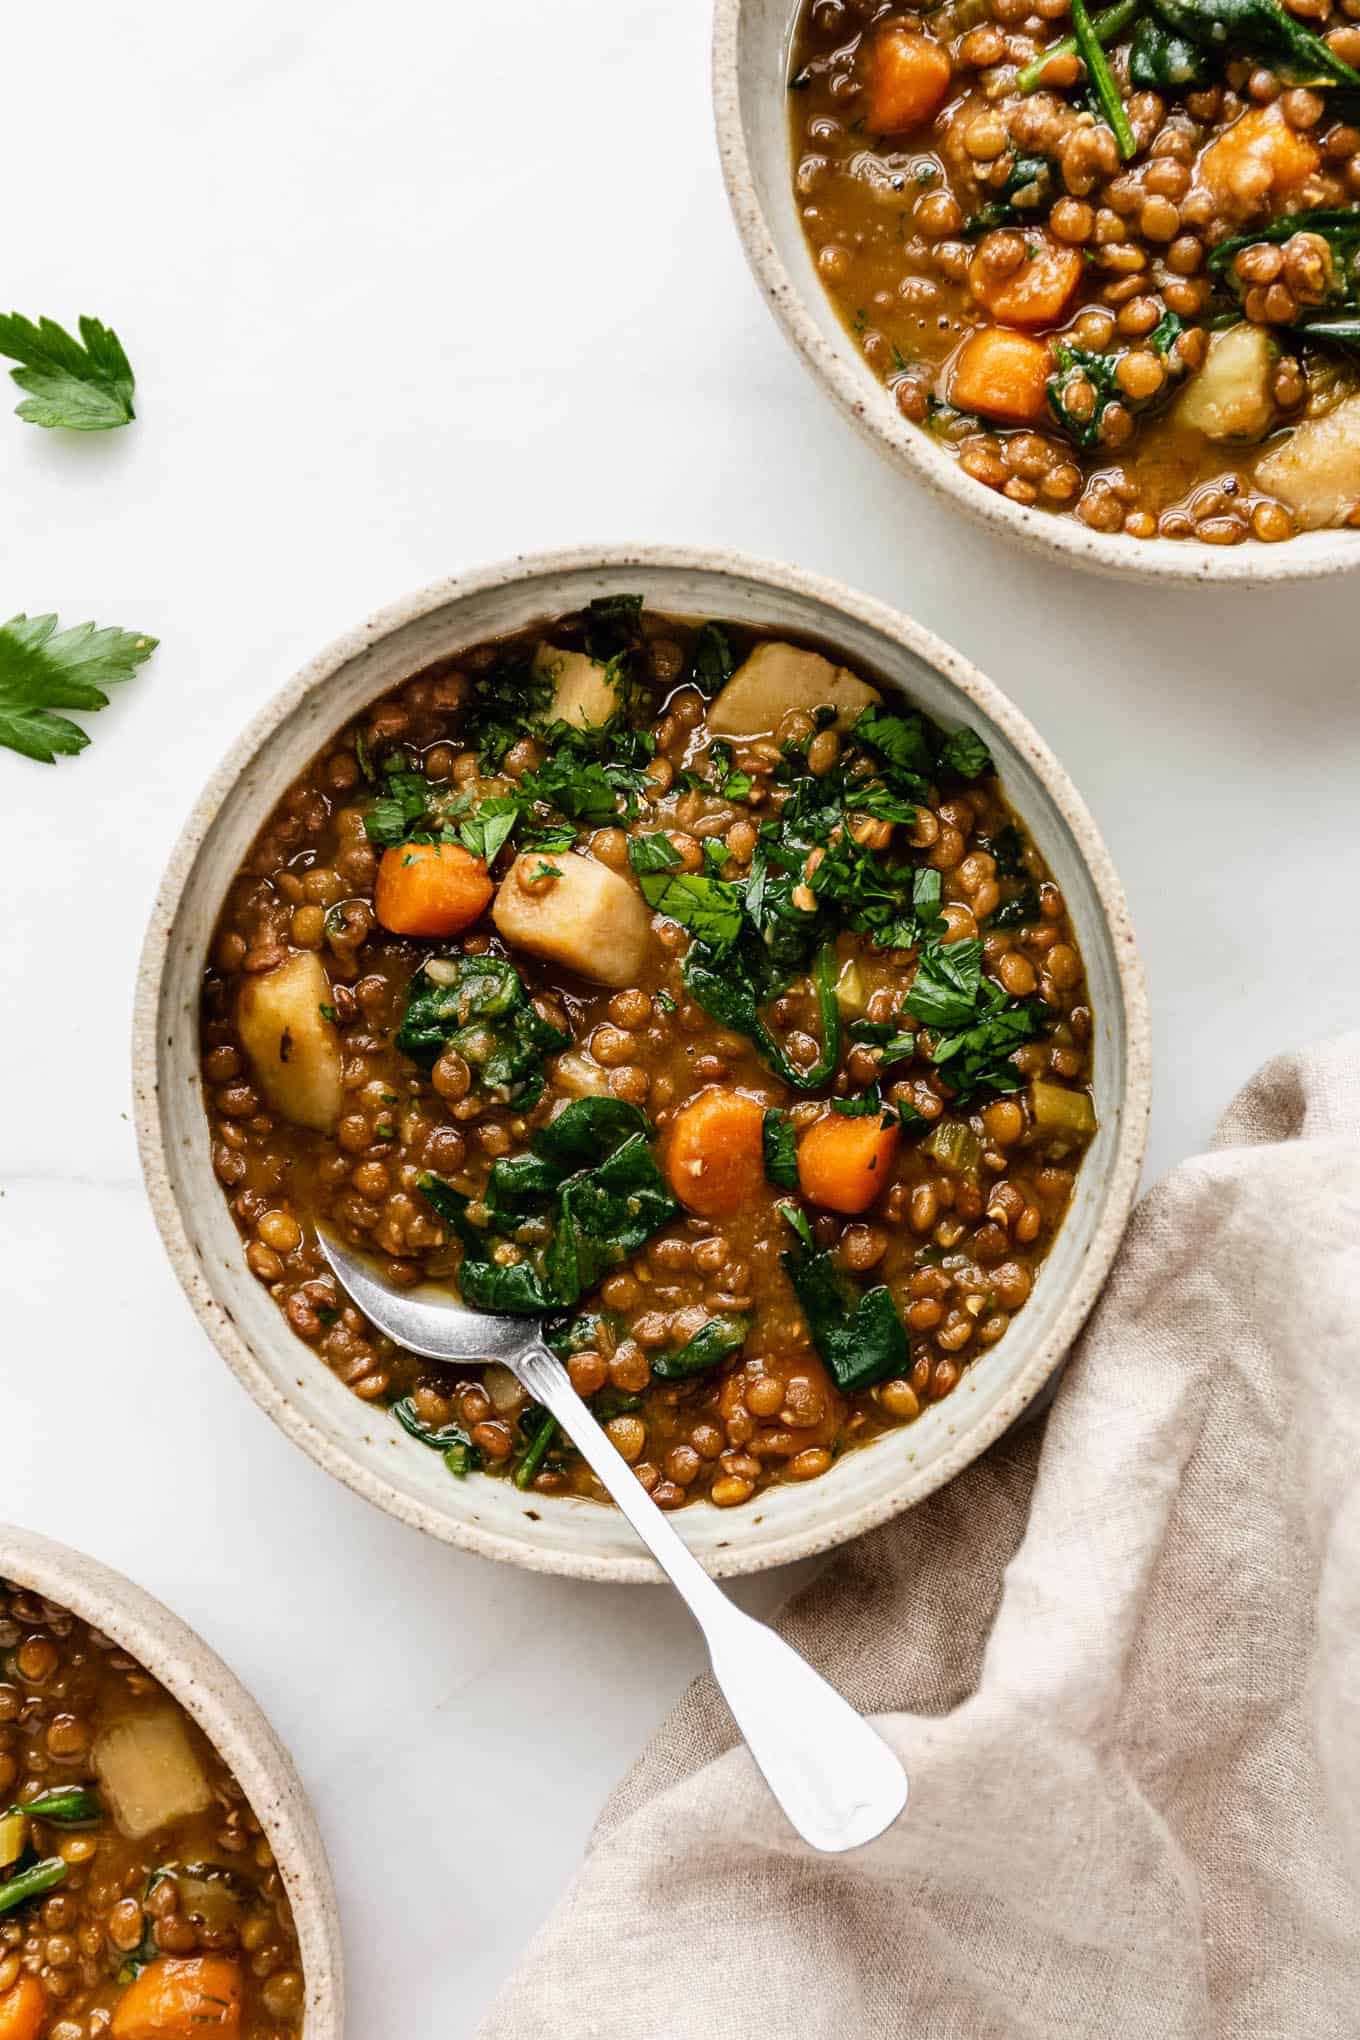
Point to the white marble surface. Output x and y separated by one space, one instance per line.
408 289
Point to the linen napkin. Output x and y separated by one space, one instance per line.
1120 1657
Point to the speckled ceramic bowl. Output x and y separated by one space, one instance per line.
362 1445
232 1722
750 74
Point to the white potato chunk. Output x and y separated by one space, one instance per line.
1316 470
293 1047
583 693
579 1077
778 677
150 1773
1230 397
589 918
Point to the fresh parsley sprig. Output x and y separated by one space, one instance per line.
85 388
43 669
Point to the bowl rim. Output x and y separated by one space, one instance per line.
234 1723
1174 562
1119 1189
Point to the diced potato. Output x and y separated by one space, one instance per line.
1316 470
852 994
588 918
779 677
579 1077
507 1397
1259 162
1003 375
13 1838
583 693
1037 291
150 1773
1230 398
1053 1109
293 1047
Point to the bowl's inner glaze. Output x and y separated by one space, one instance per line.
362 1444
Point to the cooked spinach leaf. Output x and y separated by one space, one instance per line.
713 1343
591 1174
858 1332
727 989
477 1006
460 1454
613 625
1161 60
1260 29
1027 194
779 1146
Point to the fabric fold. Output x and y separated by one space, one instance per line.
1120 1657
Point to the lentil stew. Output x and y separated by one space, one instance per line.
1109 261
666 978
139 1899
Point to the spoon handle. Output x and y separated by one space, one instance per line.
834 1776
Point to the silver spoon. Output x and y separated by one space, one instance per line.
834 1776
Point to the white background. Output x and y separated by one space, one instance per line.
409 289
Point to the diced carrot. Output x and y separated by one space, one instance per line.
23 2010
431 889
907 78
182 2000
1260 158
1036 292
843 1161
1003 375
714 1156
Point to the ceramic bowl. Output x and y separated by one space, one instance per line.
362 1445
750 74
220 1704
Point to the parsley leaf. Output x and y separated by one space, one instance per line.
965 753
86 389
978 1058
712 661
42 668
903 743
486 833
709 907
944 992
400 809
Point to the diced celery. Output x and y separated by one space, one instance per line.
1054 1109
955 1146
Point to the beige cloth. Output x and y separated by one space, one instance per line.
1121 1658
